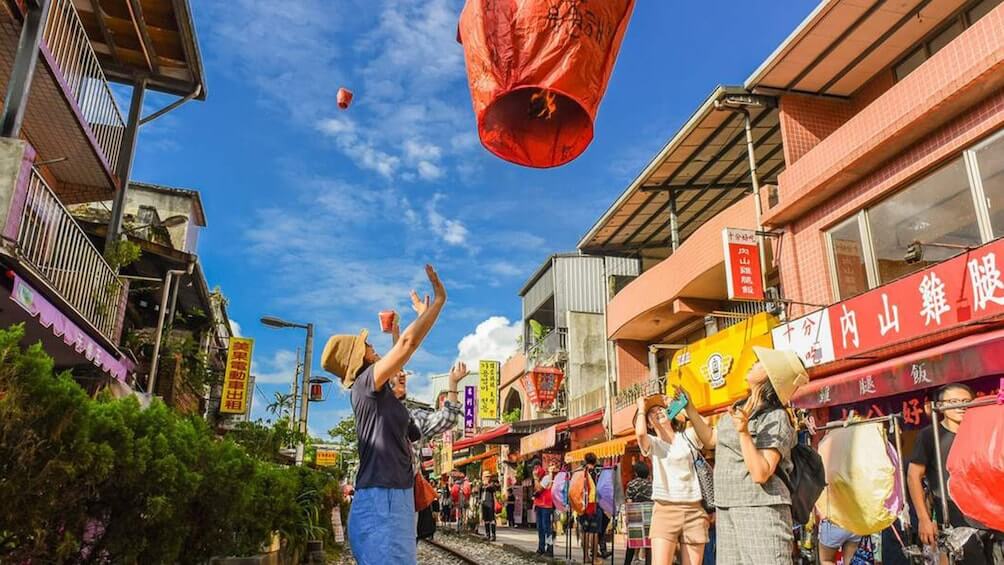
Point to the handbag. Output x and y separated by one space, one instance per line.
498 507
424 493
705 476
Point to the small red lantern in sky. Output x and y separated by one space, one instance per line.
344 98
537 71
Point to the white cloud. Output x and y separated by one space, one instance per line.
451 231
420 387
235 328
428 171
277 369
493 339
505 269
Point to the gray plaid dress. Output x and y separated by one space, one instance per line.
753 521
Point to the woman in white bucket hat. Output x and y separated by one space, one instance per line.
752 440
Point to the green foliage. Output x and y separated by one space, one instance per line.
512 416
344 434
103 480
122 253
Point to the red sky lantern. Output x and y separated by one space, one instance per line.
344 98
537 70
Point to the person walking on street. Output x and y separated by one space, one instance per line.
489 491
924 465
543 504
678 517
753 442
382 517
639 489
591 524
510 507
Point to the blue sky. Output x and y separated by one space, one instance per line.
322 215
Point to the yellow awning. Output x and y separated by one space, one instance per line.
610 448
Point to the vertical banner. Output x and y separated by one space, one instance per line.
469 411
488 395
743 271
235 382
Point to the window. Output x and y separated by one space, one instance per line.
942 37
847 250
990 161
938 212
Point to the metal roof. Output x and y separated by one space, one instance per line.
844 43
707 167
153 38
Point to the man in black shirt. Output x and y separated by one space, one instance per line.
924 466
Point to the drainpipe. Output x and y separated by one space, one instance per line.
19 85
740 103
165 293
127 153
608 415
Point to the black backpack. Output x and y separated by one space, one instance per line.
806 482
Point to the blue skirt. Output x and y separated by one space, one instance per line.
382 526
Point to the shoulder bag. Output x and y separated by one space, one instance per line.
705 475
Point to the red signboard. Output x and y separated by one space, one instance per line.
742 264
968 358
960 290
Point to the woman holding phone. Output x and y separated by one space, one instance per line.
753 442
678 517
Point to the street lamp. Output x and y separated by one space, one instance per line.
278 323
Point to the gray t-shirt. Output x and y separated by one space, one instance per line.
382 429
733 485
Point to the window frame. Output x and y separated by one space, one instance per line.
961 15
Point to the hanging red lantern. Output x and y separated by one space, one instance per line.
344 98
537 70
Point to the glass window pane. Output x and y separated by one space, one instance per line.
946 36
912 61
936 210
848 260
990 159
981 9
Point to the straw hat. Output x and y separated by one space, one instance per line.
651 402
343 355
784 369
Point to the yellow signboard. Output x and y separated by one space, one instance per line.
488 397
713 370
326 457
235 382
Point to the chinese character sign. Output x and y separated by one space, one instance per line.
488 393
235 382
469 393
808 336
326 457
742 264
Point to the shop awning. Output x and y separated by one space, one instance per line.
474 458
483 437
55 321
610 448
963 359
584 420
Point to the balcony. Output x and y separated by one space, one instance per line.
71 116
953 81
667 294
550 348
46 241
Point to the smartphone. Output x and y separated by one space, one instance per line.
676 405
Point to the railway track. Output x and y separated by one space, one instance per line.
444 549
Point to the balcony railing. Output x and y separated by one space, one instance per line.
67 41
52 241
548 346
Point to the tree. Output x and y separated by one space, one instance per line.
281 406
344 434
87 480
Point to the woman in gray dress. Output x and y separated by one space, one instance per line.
751 442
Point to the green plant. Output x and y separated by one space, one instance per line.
87 480
512 416
122 253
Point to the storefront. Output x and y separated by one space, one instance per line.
713 370
888 350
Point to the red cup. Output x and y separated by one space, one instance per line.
387 321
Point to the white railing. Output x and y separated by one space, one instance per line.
52 241
66 39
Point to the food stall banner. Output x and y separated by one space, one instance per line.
713 370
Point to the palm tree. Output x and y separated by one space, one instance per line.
281 406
